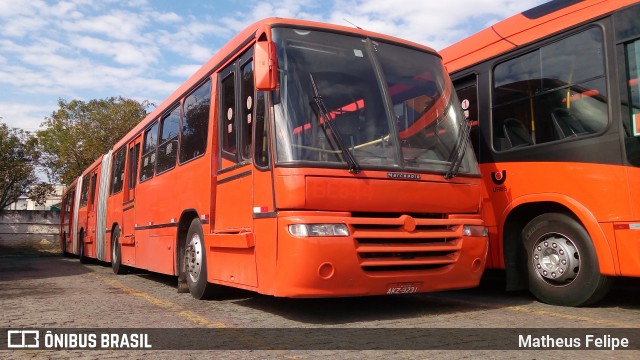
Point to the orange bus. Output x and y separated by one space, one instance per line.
553 97
302 160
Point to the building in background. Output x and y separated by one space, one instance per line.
52 202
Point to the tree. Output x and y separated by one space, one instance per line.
79 132
18 159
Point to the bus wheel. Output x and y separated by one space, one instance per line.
195 259
83 258
116 255
562 262
64 245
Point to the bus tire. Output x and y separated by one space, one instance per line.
116 253
195 262
64 245
562 263
81 256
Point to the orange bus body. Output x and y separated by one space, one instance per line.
570 151
230 212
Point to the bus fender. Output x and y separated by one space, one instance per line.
601 242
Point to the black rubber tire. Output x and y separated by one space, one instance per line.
64 245
81 256
199 287
584 284
116 253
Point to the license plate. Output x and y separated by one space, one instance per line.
402 288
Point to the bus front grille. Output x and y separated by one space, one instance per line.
406 243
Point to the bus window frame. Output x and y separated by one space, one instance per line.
233 69
536 47
142 153
122 148
183 100
161 122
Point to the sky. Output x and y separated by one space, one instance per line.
144 49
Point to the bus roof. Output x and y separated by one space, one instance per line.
524 28
234 45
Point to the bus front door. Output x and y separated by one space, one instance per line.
233 233
127 238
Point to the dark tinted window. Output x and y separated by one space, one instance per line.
228 116
133 167
94 180
195 123
556 92
262 141
246 106
149 152
84 195
631 102
168 148
117 171
467 90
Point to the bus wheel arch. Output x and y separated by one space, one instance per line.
514 254
186 218
563 262
535 237
195 263
81 255
116 252
65 253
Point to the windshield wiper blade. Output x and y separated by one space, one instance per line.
354 167
458 154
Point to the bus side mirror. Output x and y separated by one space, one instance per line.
266 66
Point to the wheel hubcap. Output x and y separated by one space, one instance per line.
556 259
194 257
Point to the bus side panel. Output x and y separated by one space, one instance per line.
584 182
266 245
160 202
628 232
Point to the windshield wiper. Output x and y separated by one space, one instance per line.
458 154
354 167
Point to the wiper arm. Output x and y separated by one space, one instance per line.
458 154
354 167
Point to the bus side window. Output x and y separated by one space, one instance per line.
631 100
84 195
467 91
247 105
555 92
168 144
228 117
261 146
195 123
117 171
94 180
149 152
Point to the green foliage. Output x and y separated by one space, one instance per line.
79 132
18 158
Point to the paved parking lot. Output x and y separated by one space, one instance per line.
43 290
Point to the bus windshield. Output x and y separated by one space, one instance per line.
350 102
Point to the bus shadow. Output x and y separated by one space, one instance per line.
34 265
624 294
334 311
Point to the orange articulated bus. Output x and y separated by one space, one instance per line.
302 160
554 98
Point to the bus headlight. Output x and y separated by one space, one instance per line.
475 230
309 230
